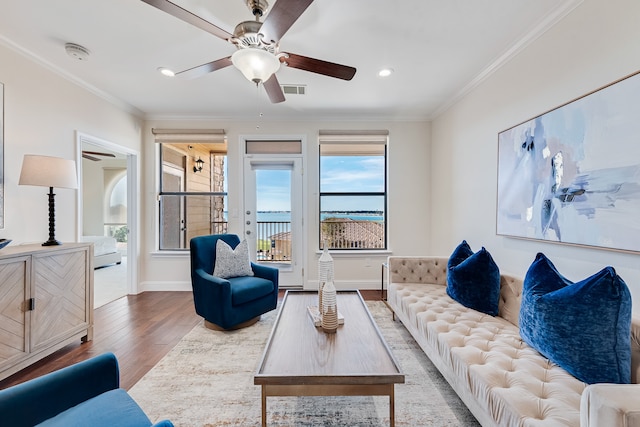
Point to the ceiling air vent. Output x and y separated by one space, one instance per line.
294 89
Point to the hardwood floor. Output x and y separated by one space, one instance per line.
139 329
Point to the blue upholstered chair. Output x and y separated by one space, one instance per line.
234 302
85 394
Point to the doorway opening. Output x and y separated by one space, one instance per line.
107 206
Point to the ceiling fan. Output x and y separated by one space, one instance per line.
258 53
92 155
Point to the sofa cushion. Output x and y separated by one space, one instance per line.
474 281
232 262
112 408
486 362
585 327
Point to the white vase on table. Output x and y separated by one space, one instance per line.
325 273
329 308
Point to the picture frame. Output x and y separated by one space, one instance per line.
572 174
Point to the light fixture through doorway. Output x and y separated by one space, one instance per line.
198 166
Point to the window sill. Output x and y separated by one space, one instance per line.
170 254
357 253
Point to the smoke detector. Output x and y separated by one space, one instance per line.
76 51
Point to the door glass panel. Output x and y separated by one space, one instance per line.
172 213
273 220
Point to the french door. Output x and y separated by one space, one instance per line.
172 215
273 214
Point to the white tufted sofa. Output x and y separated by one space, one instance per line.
502 380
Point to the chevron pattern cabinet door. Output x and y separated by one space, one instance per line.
46 301
60 289
13 317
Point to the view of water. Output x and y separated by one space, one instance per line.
286 216
272 216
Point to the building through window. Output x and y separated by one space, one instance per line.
353 190
193 186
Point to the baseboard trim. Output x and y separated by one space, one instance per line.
164 286
312 285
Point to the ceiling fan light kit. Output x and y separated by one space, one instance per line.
256 64
257 43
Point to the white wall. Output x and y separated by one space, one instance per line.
408 198
42 112
92 198
98 178
593 46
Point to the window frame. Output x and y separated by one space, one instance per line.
353 138
186 137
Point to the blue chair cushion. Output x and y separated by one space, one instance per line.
584 327
112 408
246 289
473 279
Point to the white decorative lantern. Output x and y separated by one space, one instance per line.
325 273
329 308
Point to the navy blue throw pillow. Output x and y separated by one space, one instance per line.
584 327
474 280
459 254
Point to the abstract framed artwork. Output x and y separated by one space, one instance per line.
572 174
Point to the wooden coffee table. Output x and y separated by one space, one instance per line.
301 360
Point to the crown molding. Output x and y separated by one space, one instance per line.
538 30
70 77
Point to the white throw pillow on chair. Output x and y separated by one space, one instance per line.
232 262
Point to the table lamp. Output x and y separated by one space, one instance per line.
45 171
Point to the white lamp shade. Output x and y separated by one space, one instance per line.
45 171
257 65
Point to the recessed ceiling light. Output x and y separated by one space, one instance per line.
385 72
166 72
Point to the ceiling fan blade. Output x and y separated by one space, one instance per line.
203 69
88 157
281 17
274 91
188 17
98 153
318 66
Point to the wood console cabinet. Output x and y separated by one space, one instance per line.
46 301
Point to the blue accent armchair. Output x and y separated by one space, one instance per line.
84 394
234 302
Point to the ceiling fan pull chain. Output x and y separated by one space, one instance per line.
258 113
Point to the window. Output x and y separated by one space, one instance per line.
116 209
353 190
192 194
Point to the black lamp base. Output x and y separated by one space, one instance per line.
52 221
52 243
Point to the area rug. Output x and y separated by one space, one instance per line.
207 380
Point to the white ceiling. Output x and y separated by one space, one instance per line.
438 48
